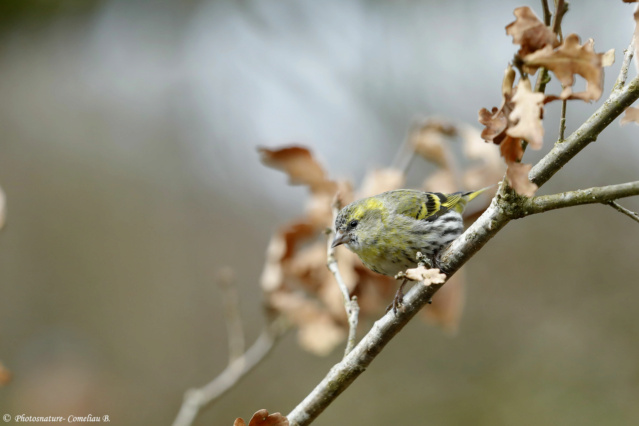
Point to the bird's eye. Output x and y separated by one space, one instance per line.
353 224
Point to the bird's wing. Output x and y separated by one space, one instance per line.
425 205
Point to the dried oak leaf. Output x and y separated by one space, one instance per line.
280 249
517 175
631 115
263 418
511 150
527 115
496 120
428 140
300 165
568 59
318 332
489 168
529 32
496 124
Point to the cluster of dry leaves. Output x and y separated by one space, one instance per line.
296 281
519 118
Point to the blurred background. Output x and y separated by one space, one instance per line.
128 157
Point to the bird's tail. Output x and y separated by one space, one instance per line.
464 197
470 195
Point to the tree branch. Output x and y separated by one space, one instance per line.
497 215
627 58
604 194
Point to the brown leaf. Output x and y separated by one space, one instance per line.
631 116
489 169
511 150
281 248
529 32
301 167
517 175
262 418
381 180
527 115
319 332
496 124
428 140
507 82
568 59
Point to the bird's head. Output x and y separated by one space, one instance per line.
358 223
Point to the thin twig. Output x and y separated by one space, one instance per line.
562 122
627 58
234 328
547 14
632 215
602 194
350 304
196 399
561 7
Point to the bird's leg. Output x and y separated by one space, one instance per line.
436 262
399 297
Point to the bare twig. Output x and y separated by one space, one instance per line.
632 215
350 304
497 216
196 399
627 58
597 195
561 7
562 122
560 10
547 15
234 328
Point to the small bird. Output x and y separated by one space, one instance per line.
387 230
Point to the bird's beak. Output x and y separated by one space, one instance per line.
340 238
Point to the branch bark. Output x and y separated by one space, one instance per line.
498 214
604 194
